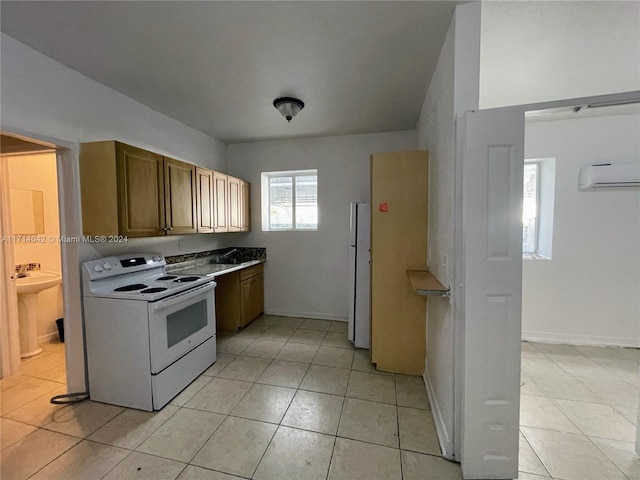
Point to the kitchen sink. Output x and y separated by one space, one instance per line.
226 261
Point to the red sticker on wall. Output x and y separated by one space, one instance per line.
383 207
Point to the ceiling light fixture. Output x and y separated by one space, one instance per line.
288 106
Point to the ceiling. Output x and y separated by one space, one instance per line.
538 51
360 67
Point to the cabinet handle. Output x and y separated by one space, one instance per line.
166 229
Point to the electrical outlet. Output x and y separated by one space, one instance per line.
445 263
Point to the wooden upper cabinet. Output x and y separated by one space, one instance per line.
245 211
235 199
180 197
220 222
122 190
204 200
133 192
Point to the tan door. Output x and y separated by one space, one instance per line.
204 200
141 192
399 183
220 202
180 197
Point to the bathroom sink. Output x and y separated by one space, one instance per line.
37 281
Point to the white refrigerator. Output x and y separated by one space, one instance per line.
359 263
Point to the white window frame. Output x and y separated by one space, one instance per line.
265 193
534 252
545 205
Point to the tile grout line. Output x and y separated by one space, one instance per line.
571 375
254 382
546 469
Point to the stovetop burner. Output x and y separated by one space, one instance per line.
131 288
168 277
154 290
186 279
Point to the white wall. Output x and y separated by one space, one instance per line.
435 133
588 293
453 90
307 273
38 172
41 96
539 51
46 100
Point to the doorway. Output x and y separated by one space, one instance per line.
33 356
488 273
579 382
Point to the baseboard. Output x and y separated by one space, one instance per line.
319 316
48 338
577 339
446 445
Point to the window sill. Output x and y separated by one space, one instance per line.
534 256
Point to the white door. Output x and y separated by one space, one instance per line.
492 164
9 329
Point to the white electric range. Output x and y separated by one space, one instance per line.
149 333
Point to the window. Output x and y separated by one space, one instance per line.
530 208
537 208
290 200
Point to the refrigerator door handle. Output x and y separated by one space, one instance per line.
353 219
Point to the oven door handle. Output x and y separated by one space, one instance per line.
182 297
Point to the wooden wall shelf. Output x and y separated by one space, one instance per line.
425 284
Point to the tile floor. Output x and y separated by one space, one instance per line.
288 398
291 399
579 412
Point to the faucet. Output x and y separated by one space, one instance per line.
228 253
22 271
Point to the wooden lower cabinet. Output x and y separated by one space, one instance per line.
251 296
239 297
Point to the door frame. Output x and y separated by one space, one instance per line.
458 289
68 177
10 334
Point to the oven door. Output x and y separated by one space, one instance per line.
179 323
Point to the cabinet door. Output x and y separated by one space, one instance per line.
140 192
259 296
180 197
251 298
235 196
220 202
228 302
204 200
246 206
247 289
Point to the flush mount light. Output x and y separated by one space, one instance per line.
288 106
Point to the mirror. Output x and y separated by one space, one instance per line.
27 211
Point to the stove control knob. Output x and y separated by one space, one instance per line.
97 268
156 258
107 266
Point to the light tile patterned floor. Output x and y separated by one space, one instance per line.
288 399
578 412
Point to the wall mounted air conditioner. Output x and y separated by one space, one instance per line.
607 175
